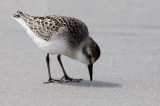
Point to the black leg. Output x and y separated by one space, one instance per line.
65 74
48 66
60 62
49 73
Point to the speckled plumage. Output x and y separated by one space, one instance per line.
61 35
45 27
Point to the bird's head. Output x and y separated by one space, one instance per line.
90 52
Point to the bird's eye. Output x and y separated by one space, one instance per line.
89 56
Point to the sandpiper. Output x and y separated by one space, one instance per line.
61 35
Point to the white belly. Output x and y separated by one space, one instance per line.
55 46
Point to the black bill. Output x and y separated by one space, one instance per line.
90 69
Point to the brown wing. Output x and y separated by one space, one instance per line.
77 30
44 27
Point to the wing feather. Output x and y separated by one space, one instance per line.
45 27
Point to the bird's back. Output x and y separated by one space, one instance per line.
48 27
77 30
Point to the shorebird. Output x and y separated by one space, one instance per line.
61 35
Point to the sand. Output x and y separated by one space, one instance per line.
127 73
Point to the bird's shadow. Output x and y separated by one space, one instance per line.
98 84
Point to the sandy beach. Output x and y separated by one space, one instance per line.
127 73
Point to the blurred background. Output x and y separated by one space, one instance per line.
103 16
128 33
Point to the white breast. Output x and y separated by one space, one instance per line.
56 46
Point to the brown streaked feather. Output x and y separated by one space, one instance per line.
77 30
45 27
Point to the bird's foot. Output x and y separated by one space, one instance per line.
50 80
66 79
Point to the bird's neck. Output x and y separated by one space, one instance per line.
80 55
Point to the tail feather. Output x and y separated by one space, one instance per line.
23 15
24 19
16 16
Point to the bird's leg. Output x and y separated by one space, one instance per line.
49 73
65 78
